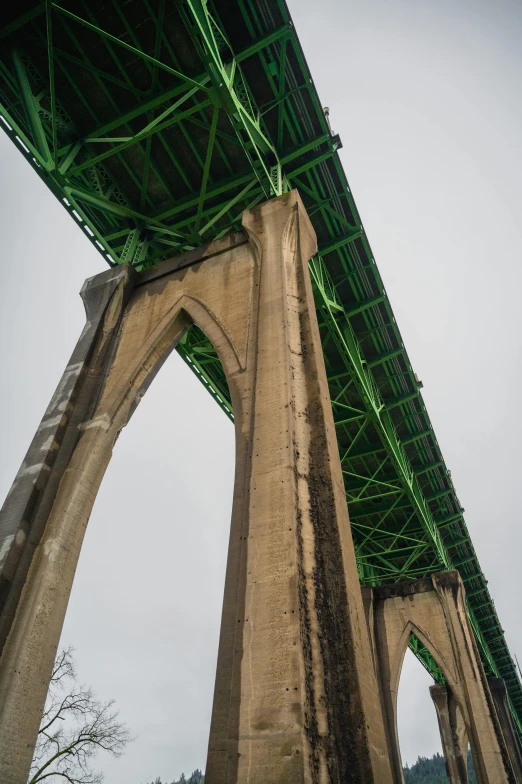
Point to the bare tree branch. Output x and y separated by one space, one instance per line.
75 727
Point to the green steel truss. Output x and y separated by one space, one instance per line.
156 124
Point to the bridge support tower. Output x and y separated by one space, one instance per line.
296 696
433 609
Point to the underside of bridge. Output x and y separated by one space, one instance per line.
156 124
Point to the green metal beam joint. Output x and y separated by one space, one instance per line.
226 78
416 436
278 35
457 542
340 242
439 494
378 360
398 401
420 468
31 110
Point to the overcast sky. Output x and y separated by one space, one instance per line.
426 98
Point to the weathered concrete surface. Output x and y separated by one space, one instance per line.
35 586
27 505
434 610
498 691
453 733
296 696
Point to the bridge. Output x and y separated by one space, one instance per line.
157 125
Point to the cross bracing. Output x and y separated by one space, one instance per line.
156 124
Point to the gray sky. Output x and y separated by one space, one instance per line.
426 98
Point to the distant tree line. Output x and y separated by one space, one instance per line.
427 770
196 778
432 770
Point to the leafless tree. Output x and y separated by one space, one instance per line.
75 726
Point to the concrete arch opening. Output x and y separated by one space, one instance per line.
151 572
416 738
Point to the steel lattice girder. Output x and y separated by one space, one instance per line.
156 125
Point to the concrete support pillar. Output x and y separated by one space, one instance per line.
512 739
453 734
39 550
296 696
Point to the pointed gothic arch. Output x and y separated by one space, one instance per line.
414 629
416 738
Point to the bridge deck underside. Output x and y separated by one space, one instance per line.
156 124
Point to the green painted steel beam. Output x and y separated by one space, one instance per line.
411 439
420 468
387 355
15 25
340 242
398 401
140 53
29 103
226 79
283 32
456 543
439 494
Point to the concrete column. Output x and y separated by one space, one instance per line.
452 734
460 735
296 697
34 585
498 691
24 511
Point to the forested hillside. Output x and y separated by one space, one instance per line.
427 770
432 770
